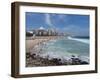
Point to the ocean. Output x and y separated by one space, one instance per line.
66 47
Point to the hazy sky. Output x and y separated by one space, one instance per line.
73 24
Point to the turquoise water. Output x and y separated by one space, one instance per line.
65 48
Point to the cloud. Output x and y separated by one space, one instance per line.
48 20
76 30
62 16
55 20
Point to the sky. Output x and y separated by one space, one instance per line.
77 25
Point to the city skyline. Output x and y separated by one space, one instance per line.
77 25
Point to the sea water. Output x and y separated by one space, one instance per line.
66 47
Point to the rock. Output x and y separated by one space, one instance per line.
75 61
73 56
56 61
28 55
84 62
33 56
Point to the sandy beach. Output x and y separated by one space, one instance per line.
31 42
34 51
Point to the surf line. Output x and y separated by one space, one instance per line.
81 40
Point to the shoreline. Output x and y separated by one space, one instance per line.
34 50
32 42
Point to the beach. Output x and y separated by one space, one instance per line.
31 42
37 52
33 50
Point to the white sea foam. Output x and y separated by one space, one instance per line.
81 40
63 57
